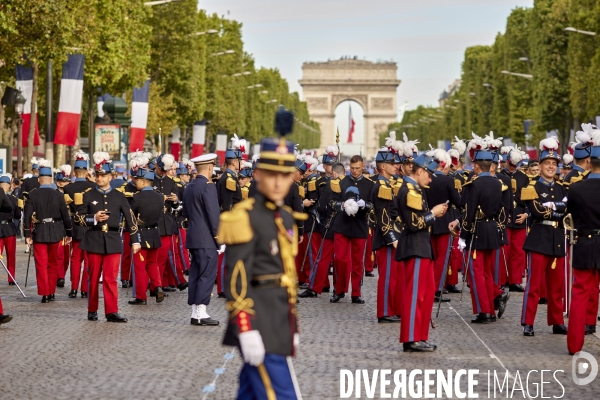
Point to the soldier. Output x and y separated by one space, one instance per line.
385 239
102 210
62 178
581 153
585 210
441 191
201 208
46 209
146 206
546 201
8 230
517 221
458 175
479 228
351 231
244 178
414 250
77 254
261 239
32 182
184 175
567 166
309 208
119 179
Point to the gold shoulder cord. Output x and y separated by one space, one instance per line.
288 256
240 302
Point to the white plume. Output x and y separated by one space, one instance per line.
238 143
81 155
409 146
477 143
567 159
44 163
588 128
168 160
311 163
493 143
505 149
390 140
135 154
34 160
246 164
255 157
442 157
148 155
66 170
139 162
550 143
100 157
332 151
516 156
188 164
398 146
320 159
595 137
301 157
460 145
584 136
351 207
454 156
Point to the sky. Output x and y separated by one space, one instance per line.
426 38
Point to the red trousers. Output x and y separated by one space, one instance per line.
169 273
585 286
183 259
126 257
390 283
417 302
554 282
319 274
108 266
349 262
515 257
78 257
221 273
10 243
500 277
63 255
304 271
456 263
481 281
145 268
369 254
46 267
1 309
442 244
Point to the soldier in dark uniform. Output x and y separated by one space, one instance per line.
415 251
128 188
567 166
168 227
46 209
581 153
184 175
77 254
261 238
385 239
351 231
517 221
146 206
458 174
102 210
546 201
8 230
245 178
500 272
309 208
119 179
585 210
201 208
479 229
31 183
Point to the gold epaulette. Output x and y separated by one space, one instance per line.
179 185
20 203
469 182
513 183
121 189
176 179
298 216
335 186
234 226
128 194
244 205
586 173
504 187
576 179
312 185
457 184
414 199
68 199
301 192
529 193
79 197
385 192
245 192
231 184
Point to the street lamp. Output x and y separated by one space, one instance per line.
526 76
571 29
19 108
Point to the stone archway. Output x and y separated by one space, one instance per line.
372 85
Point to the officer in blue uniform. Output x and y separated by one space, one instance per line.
201 208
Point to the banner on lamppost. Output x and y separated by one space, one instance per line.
107 137
198 138
221 147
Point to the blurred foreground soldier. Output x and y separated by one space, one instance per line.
414 250
261 238
46 209
581 151
8 231
585 210
78 256
201 208
102 210
146 206
545 244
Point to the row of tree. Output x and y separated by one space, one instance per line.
557 88
196 63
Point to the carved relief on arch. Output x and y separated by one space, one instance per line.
361 99
382 103
317 103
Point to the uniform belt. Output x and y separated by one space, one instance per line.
487 219
49 220
105 229
6 222
148 226
264 281
553 224
592 232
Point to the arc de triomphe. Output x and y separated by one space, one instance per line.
373 85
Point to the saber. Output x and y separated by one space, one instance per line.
308 244
11 276
451 238
570 226
469 256
333 214
28 262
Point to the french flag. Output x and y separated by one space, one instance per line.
25 85
176 143
139 117
69 106
351 123
199 138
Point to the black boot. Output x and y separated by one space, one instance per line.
5 318
452 289
482 318
358 300
515 287
420 347
60 283
45 299
125 284
590 329
115 317
51 297
182 286
528 330
337 297
543 300
386 320
439 297
84 295
559 329
92 316
137 302
159 294
307 293
72 294
502 300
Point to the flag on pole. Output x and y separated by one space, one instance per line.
350 123
176 142
25 85
221 147
139 117
69 106
199 138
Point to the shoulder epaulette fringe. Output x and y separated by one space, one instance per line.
301 191
78 200
231 184
335 186
20 203
457 184
504 187
234 227
312 185
414 199
513 183
385 192
68 199
529 193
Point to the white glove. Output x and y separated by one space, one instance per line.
361 203
253 348
565 200
461 244
549 204
221 249
351 207
296 342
